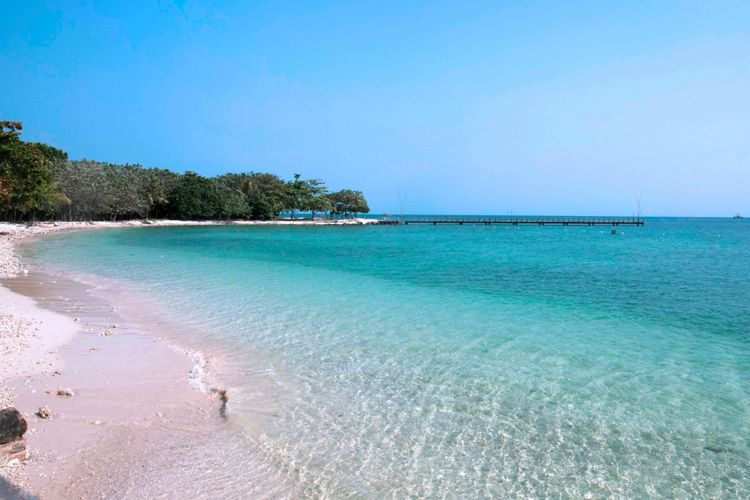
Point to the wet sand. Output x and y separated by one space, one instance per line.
136 408
123 379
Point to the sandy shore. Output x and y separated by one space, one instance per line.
126 379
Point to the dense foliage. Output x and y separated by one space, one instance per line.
27 187
38 181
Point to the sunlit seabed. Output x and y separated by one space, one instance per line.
469 360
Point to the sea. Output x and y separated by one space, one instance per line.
460 361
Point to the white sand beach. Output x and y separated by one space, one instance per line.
124 380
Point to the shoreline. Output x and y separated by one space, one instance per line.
126 379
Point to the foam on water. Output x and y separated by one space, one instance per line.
464 361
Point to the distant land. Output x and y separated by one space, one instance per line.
39 182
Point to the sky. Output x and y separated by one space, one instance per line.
428 107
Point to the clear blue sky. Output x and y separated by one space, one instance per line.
462 107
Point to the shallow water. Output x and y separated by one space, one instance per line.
462 361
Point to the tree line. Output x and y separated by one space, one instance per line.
39 182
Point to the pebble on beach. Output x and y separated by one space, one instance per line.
44 412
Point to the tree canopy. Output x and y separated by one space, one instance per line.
27 189
37 181
348 202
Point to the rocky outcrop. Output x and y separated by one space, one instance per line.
12 444
12 425
13 452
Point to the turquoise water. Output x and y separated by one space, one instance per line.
466 361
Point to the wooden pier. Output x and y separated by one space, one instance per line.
521 221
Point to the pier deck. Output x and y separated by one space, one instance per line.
524 221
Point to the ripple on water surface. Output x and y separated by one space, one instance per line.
465 361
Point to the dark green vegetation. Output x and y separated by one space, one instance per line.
38 181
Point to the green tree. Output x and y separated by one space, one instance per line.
85 184
308 196
195 198
359 204
159 183
128 192
9 139
268 196
90 190
231 189
298 194
27 190
316 199
348 202
38 180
